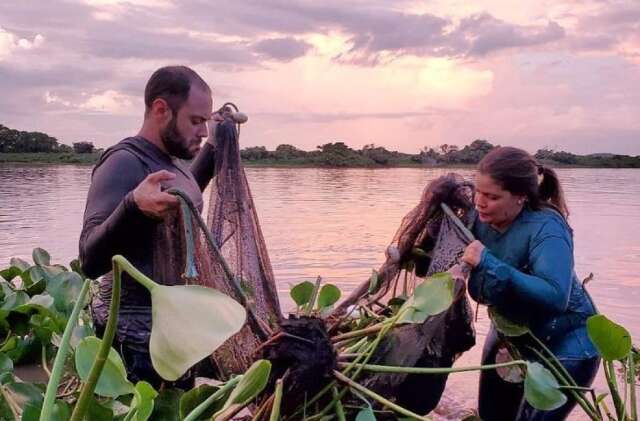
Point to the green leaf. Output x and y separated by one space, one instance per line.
194 397
20 264
36 282
142 403
329 295
6 288
366 414
113 379
118 408
11 301
6 369
505 326
98 412
612 340
41 257
41 303
601 397
397 301
252 383
541 389
167 405
65 289
26 394
61 412
21 349
10 273
79 333
43 327
302 292
75 267
434 295
211 317
374 282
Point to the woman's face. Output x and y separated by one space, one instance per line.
496 206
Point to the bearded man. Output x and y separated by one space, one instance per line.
127 207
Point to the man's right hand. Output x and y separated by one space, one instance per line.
150 198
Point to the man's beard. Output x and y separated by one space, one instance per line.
175 144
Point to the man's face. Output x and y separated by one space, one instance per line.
184 132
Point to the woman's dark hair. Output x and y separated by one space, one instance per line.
173 84
519 173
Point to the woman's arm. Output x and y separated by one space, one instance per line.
546 287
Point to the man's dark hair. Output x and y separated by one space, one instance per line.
172 83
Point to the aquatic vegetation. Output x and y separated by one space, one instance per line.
43 312
614 345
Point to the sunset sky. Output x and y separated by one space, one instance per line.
562 74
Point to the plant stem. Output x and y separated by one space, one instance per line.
432 370
366 355
198 410
86 394
580 388
339 408
141 278
632 386
579 398
277 401
357 333
558 364
355 347
190 270
262 409
231 278
380 399
45 367
61 356
314 295
11 403
609 374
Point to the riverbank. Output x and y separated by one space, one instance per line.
92 158
50 158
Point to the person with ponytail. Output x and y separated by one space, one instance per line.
523 266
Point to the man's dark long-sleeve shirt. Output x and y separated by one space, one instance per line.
113 224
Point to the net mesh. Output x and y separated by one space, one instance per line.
230 255
441 338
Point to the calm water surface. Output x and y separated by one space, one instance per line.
337 223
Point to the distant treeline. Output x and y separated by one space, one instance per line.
339 154
20 146
16 141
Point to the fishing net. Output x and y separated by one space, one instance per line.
228 253
428 241
233 222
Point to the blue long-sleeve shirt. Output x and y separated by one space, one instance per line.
527 273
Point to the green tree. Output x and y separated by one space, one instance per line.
285 152
254 153
83 147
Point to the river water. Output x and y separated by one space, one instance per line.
337 223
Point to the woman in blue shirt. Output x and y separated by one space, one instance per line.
523 265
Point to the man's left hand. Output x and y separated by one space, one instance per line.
216 119
473 253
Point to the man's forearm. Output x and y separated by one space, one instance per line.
102 239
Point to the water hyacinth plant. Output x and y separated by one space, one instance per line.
43 312
614 345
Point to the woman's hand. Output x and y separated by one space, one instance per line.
473 253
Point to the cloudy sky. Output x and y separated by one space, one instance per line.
563 74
